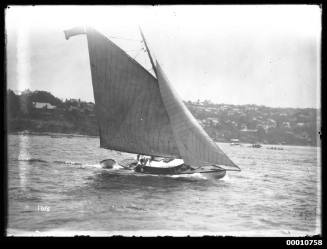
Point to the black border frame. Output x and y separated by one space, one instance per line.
217 241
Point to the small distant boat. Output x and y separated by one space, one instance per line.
256 146
235 142
275 148
55 136
141 113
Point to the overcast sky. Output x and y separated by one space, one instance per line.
265 55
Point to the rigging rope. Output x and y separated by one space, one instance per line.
143 50
139 50
137 54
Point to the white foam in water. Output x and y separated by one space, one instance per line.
116 166
99 166
71 163
195 175
229 178
226 178
96 165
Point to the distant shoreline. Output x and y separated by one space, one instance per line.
70 135
36 133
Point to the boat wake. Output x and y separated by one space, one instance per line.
226 178
190 176
67 162
118 169
32 160
62 162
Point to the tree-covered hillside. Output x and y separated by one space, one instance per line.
40 111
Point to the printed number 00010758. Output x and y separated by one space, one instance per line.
309 242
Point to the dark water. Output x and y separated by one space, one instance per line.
56 187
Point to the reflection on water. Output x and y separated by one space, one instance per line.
23 155
276 190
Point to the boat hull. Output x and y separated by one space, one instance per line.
215 173
212 172
162 171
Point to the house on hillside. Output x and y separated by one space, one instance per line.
213 121
271 123
41 105
300 124
249 130
286 125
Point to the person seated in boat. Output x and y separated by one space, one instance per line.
147 160
139 157
143 160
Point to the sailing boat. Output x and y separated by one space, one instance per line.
141 113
